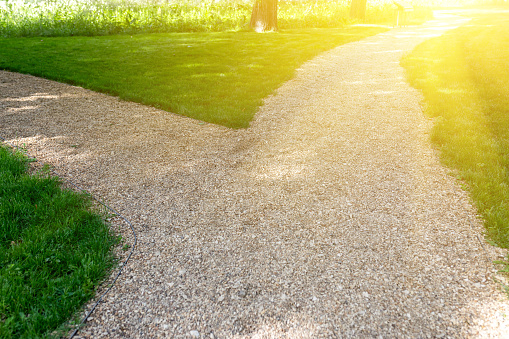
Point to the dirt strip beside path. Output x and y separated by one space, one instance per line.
330 217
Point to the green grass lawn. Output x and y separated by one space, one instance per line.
53 250
464 76
220 77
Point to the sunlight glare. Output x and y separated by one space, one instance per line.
34 97
259 27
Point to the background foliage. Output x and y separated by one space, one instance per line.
106 17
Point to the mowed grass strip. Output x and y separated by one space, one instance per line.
53 251
464 76
215 77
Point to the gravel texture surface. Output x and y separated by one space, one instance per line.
330 217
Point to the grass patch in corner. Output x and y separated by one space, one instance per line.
220 77
464 76
53 251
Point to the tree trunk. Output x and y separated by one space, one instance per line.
264 16
358 9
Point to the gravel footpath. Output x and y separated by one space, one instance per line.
330 217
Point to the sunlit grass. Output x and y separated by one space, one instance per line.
216 77
53 250
464 76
